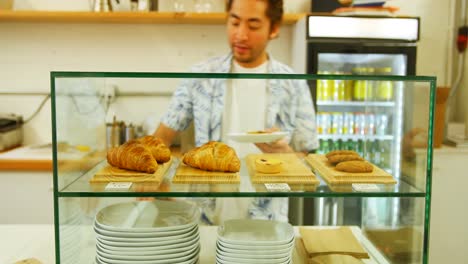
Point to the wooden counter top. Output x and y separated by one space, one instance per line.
40 163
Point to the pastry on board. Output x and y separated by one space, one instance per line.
344 157
341 152
268 165
132 155
213 156
354 166
157 147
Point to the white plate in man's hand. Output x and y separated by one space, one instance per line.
257 137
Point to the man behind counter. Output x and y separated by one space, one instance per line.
219 107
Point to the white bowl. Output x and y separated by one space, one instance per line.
255 232
257 138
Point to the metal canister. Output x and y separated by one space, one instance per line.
130 132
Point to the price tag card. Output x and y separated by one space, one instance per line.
365 187
118 186
277 187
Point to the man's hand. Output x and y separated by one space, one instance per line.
279 146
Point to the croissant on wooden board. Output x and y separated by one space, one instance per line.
213 156
132 156
159 150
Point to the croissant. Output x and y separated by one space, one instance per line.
132 156
213 156
159 150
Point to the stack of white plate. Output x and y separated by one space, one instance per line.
254 242
157 232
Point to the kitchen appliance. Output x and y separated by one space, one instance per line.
366 116
11 131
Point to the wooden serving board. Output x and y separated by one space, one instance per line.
187 174
112 174
293 171
333 176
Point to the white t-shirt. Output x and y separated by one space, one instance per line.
245 107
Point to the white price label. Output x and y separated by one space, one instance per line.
118 186
365 187
277 187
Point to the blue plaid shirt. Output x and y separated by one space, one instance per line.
289 108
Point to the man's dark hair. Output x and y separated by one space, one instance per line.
274 10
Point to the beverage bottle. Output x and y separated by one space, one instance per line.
370 124
326 123
381 125
360 147
384 89
319 122
350 145
325 146
384 150
320 149
368 150
376 155
337 144
331 146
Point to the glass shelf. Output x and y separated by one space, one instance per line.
81 187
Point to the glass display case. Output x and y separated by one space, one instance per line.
105 214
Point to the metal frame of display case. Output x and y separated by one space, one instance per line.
79 192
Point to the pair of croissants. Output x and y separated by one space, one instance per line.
143 155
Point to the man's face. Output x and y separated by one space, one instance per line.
249 30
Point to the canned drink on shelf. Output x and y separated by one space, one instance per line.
348 123
337 123
370 91
370 124
326 87
381 124
319 89
384 89
360 86
338 89
348 90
